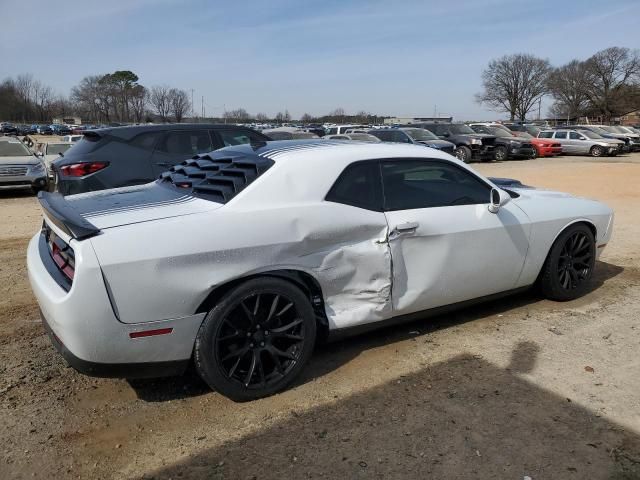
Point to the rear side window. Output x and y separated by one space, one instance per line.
185 142
359 186
561 134
238 137
146 141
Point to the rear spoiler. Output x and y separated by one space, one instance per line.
65 217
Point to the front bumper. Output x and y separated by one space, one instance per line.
521 152
84 327
544 151
481 152
12 182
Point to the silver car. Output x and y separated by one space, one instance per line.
583 142
19 167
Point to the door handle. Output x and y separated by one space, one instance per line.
404 229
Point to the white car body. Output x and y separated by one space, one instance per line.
160 250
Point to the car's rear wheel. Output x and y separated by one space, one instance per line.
569 266
463 153
534 154
256 340
596 151
500 154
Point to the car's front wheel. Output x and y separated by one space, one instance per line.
500 154
256 340
597 151
569 266
463 153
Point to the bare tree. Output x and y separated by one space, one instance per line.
239 115
611 73
568 85
160 101
306 118
262 117
180 104
139 100
514 84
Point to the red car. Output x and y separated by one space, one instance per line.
545 147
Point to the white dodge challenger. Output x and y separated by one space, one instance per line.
240 259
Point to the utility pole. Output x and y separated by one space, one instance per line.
192 111
202 105
224 112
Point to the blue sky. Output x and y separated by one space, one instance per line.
385 57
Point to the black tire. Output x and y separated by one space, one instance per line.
500 154
596 151
463 153
569 266
534 155
238 352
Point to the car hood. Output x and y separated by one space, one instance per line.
20 160
141 203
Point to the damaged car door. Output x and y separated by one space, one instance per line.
446 246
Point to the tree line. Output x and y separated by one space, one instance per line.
604 86
106 98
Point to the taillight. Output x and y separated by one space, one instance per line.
63 261
82 169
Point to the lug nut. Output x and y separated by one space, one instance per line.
262 344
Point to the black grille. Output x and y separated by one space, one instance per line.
216 177
11 171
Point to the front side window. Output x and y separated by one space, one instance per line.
241 137
545 135
409 184
185 142
575 136
359 186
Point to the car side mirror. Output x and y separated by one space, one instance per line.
498 199
583 138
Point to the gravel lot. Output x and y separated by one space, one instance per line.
514 388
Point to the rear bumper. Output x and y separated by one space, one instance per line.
86 331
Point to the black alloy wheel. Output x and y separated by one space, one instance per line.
463 153
256 340
569 265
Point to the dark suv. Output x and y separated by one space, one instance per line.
469 145
123 156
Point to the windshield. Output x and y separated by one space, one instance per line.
525 135
608 129
460 129
591 135
13 149
57 148
533 130
420 134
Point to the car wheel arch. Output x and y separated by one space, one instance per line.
582 221
301 279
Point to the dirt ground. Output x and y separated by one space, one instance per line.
516 388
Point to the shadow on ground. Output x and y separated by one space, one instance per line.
463 418
331 356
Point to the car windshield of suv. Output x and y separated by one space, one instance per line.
460 129
13 149
608 129
420 134
57 148
498 132
591 135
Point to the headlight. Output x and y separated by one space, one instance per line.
476 141
38 168
433 145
